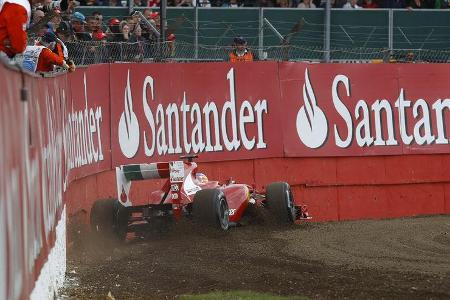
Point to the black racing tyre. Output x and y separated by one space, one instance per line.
109 219
121 221
280 202
211 207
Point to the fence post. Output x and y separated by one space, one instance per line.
130 6
391 32
261 33
196 31
162 27
326 42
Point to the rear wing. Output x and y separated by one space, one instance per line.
125 174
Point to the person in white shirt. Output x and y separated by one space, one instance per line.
352 5
201 3
306 4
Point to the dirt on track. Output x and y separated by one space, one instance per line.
391 259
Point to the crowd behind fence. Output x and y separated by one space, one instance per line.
104 35
299 34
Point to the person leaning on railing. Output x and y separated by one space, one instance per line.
40 58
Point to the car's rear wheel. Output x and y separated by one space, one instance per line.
280 202
109 219
211 207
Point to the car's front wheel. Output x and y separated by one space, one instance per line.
211 207
280 202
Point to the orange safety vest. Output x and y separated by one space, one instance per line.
248 56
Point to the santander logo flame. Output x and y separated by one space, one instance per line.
128 126
312 125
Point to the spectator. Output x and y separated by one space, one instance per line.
240 53
201 3
265 3
184 3
282 3
137 34
416 4
306 4
147 13
334 3
90 3
40 58
440 4
38 14
14 17
46 3
153 3
369 4
137 46
100 36
61 49
394 4
99 17
352 4
114 29
70 10
124 32
78 22
64 32
232 3
101 51
56 20
171 44
155 17
92 26
132 21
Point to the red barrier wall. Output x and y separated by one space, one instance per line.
354 141
31 183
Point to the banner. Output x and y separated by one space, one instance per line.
87 123
219 111
354 110
31 178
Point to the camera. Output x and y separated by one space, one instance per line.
61 4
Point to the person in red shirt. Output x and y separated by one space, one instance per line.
40 58
14 17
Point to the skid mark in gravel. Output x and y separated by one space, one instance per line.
415 244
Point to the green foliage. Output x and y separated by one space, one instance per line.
239 295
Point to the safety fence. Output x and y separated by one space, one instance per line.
87 53
354 34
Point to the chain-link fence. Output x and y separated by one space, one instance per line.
299 34
86 53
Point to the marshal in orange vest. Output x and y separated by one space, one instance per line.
240 53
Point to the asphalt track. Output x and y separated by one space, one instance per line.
390 259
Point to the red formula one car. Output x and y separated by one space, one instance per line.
187 192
